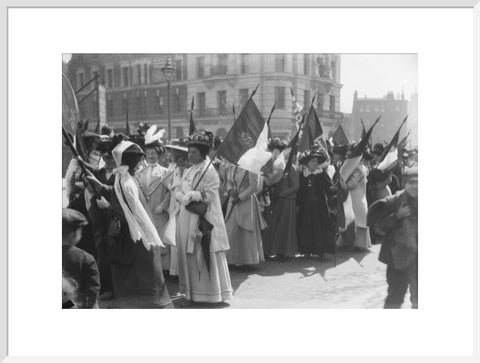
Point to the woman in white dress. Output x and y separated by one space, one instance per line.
202 277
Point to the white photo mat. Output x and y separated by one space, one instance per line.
444 324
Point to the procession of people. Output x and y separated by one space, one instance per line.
141 209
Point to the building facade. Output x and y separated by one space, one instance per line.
137 89
393 111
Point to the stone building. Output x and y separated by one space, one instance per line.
393 111
136 87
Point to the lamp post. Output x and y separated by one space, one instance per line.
168 71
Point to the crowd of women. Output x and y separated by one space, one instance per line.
153 211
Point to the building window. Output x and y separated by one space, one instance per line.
382 108
243 96
243 64
109 106
367 108
176 102
158 104
320 103
306 98
200 67
125 72
306 64
110 78
145 73
280 63
362 109
397 108
179 131
139 74
376 108
201 103
138 105
334 70
221 67
222 102
280 97
332 103
178 70
80 80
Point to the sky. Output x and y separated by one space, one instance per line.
374 75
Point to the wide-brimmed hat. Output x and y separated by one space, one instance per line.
200 138
72 219
177 144
308 155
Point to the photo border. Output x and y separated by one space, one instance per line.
473 4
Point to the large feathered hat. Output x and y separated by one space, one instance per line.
177 144
308 155
153 139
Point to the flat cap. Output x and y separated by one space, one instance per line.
72 218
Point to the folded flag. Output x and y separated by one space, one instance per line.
402 144
246 143
312 133
339 137
356 155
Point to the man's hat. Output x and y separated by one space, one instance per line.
378 149
200 138
73 219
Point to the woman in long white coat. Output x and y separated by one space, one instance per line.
199 281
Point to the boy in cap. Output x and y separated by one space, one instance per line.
397 218
77 264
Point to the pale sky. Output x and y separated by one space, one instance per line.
374 75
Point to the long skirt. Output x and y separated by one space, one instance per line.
280 236
141 284
245 246
196 282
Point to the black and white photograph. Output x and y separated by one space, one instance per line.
240 181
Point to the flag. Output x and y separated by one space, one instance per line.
353 160
390 154
192 123
246 143
312 133
345 214
293 148
127 126
402 144
339 136
268 120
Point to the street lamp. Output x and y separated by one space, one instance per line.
168 71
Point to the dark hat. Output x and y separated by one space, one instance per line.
308 155
340 149
410 174
177 144
278 144
200 137
73 219
106 130
378 149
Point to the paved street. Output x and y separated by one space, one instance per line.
358 281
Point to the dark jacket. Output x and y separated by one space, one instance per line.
400 243
80 266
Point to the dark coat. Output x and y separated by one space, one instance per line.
400 243
80 266
316 231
